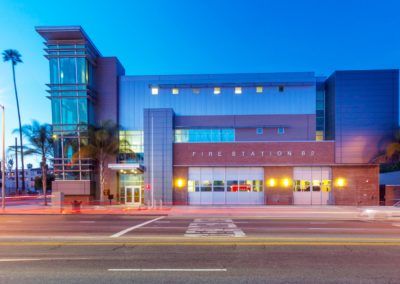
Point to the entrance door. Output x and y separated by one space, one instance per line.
133 195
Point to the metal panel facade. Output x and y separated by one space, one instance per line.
362 112
298 96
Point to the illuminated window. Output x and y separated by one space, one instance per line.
259 89
281 88
196 91
281 130
217 90
154 91
319 135
238 90
175 91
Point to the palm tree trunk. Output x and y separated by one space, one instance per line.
20 129
101 181
44 179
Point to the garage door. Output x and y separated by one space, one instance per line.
220 185
312 185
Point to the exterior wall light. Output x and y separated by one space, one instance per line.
217 90
180 183
271 182
154 91
286 182
175 91
55 136
340 182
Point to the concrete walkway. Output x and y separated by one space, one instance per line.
273 212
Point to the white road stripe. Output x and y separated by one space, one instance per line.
87 222
169 269
135 227
40 259
13 221
18 259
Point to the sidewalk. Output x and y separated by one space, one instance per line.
85 209
273 212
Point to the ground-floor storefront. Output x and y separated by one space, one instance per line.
281 185
268 173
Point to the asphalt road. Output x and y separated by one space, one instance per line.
162 249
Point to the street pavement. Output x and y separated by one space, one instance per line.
174 248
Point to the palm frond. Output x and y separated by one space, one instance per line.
393 149
12 55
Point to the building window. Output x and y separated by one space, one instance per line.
259 89
259 131
319 135
196 91
204 135
217 90
154 91
175 91
130 146
281 130
238 90
281 88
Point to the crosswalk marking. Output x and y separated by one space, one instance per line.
213 228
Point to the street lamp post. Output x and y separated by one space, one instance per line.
3 162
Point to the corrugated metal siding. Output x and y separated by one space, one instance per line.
135 95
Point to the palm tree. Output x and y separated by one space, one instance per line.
41 144
103 144
14 57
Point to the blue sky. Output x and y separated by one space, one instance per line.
203 36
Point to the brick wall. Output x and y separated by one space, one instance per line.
180 195
361 185
251 154
278 195
392 194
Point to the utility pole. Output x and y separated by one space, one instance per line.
16 166
3 163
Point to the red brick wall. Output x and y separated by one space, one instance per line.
361 185
278 195
392 194
256 153
180 195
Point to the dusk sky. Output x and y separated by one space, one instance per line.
180 37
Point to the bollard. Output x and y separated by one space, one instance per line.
76 206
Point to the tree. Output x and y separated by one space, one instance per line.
40 138
103 144
389 159
393 149
14 57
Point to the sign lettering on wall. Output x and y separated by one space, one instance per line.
258 153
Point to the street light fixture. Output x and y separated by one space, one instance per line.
3 162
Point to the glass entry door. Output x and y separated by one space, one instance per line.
133 195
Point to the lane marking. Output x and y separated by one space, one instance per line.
210 243
169 269
13 221
40 259
87 222
396 224
213 228
116 235
18 259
